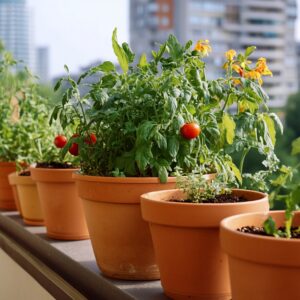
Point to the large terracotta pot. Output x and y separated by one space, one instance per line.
29 201
6 193
186 242
62 208
261 267
120 238
12 181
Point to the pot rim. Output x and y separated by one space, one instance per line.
110 179
225 224
197 215
189 204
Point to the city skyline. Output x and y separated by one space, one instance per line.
77 38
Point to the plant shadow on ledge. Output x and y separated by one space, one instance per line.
153 121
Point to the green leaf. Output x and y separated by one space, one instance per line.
143 61
296 195
119 52
277 122
271 127
130 55
161 140
296 146
172 105
58 84
249 51
229 126
66 68
175 48
163 174
173 145
235 171
270 226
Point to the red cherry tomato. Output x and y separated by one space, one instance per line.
190 130
60 141
91 140
74 149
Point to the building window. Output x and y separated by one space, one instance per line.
164 21
165 8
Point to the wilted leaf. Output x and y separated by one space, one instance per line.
229 127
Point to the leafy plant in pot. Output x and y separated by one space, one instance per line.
62 208
184 225
264 247
153 120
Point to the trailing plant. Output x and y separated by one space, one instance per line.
287 190
161 115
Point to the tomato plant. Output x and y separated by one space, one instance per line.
60 141
137 114
190 130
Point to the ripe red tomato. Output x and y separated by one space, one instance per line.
60 141
74 149
91 140
190 130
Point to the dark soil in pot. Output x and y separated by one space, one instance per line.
224 198
55 165
295 233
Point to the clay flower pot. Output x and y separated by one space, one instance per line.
7 201
186 242
261 267
12 181
120 238
29 201
62 208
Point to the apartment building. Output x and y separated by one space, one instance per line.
16 30
268 24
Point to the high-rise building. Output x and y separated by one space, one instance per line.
267 24
42 64
16 30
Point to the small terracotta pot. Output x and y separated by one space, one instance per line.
62 208
12 181
261 267
29 201
7 201
120 238
186 242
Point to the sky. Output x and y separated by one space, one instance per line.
78 32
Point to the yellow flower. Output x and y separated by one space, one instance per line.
262 68
253 74
203 46
230 54
236 81
238 70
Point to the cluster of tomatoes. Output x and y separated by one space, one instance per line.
60 141
188 131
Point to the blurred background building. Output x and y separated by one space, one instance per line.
268 24
17 33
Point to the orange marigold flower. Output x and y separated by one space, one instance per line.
262 68
203 46
230 54
253 74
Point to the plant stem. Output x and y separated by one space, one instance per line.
244 154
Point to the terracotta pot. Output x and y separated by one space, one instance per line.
29 201
186 242
261 268
12 181
7 201
62 208
120 238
